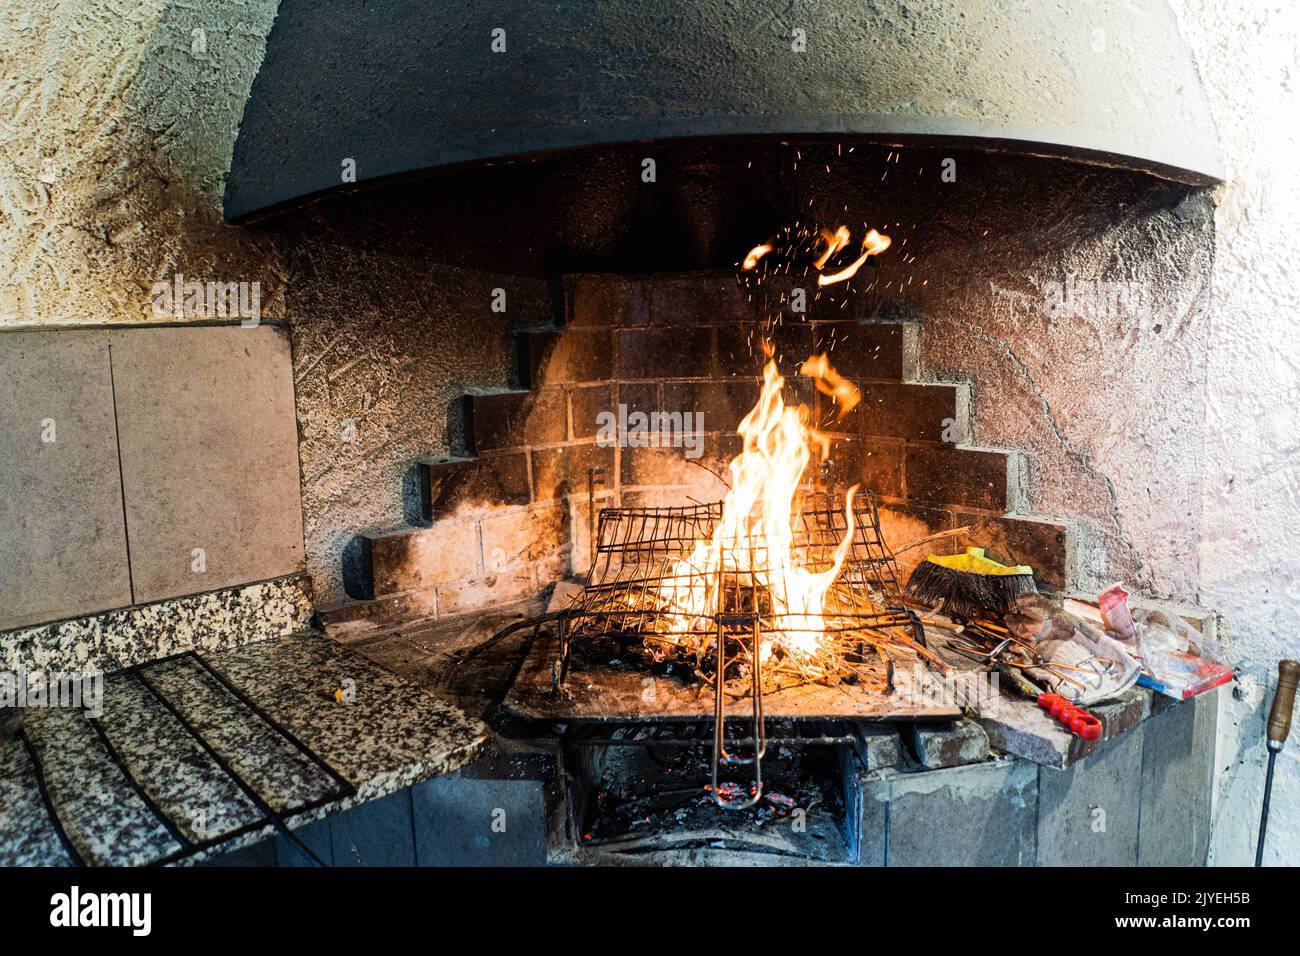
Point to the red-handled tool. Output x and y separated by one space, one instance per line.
1080 722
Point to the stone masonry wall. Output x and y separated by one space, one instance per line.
512 514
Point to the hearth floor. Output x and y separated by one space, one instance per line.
488 684
180 803
606 693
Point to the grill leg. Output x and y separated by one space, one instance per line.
560 666
720 755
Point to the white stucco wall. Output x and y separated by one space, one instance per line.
1249 56
117 123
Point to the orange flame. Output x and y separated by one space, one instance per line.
755 254
830 382
835 241
755 536
873 244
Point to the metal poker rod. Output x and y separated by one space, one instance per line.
1279 727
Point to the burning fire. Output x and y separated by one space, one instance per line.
755 538
758 252
873 243
752 553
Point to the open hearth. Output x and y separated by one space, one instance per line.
651 621
540 487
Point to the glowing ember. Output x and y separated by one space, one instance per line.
834 243
873 243
755 254
755 537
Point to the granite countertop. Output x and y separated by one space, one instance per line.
181 801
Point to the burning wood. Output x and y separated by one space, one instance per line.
775 587
755 536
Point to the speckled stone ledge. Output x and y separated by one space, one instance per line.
213 621
28 836
147 791
409 734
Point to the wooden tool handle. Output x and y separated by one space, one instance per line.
1279 718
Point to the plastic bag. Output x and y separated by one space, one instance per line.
1079 662
1182 662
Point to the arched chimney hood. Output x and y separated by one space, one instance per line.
399 86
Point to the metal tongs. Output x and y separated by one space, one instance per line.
1008 651
1010 656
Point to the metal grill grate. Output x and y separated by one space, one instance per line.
646 569
642 553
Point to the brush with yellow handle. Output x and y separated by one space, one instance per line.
969 585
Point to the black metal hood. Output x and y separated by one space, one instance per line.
391 87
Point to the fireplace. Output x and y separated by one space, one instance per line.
633 381
415 439
479 477
529 365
